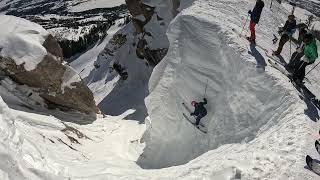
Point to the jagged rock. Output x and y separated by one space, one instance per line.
141 13
57 83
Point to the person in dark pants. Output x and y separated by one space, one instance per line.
286 33
255 18
199 110
296 56
310 53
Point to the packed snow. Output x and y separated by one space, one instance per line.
22 41
258 126
69 78
85 64
93 4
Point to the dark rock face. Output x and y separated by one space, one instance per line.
48 79
137 8
142 14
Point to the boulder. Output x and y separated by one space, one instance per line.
31 56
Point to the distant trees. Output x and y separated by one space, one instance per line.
72 47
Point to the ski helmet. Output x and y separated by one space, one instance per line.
193 103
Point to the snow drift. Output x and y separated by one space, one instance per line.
243 100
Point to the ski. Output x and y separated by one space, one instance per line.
276 59
313 164
317 146
201 128
275 64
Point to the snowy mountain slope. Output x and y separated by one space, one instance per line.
85 5
87 62
120 76
56 6
76 31
257 130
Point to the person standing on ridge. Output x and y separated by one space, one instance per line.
286 33
310 52
199 110
255 18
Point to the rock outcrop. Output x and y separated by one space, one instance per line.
144 13
45 72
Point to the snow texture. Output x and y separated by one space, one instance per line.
258 127
93 4
22 40
69 78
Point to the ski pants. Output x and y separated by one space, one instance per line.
294 61
199 117
252 30
283 40
300 70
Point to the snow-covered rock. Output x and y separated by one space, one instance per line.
31 56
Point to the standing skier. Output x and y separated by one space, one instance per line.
255 17
310 53
286 33
199 110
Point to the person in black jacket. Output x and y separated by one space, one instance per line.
199 110
286 33
255 18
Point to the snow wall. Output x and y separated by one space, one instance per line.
244 101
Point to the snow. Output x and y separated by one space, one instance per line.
258 127
22 41
69 78
246 99
84 64
93 4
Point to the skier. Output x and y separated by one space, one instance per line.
286 33
296 56
199 110
255 17
310 53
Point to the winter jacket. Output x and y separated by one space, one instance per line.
311 51
256 12
200 109
290 27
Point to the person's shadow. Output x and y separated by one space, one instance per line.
261 62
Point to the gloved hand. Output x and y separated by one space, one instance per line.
204 99
305 59
249 12
299 50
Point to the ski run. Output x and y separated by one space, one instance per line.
258 124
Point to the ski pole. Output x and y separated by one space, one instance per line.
244 25
290 45
312 69
298 68
205 90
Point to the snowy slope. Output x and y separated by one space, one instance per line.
85 64
257 124
93 4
